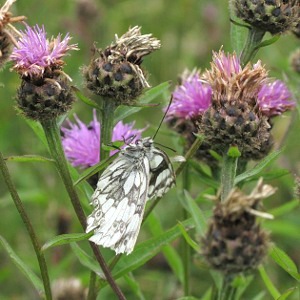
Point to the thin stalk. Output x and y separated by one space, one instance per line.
33 237
228 175
228 291
107 125
186 249
53 138
251 47
92 287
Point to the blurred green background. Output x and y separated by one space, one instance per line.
189 30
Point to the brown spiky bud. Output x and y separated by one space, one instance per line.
46 98
274 16
116 73
235 242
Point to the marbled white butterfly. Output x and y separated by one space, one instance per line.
141 172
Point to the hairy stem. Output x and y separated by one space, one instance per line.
53 138
34 240
251 47
107 125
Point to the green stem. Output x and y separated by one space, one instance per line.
228 291
36 245
186 249
107 125
92 287
53 138
250 49
228 175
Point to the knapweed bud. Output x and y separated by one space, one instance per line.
235 242
45 91
295 61
115 73
6 36
274 16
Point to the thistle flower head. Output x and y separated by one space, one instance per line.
274 98
116 73
34 54
191 98
81 142
234 242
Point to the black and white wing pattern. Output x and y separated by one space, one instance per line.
122 191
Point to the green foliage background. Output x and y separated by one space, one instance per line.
189 30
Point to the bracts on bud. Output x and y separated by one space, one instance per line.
116 72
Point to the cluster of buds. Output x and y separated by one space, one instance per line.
230 106
116 73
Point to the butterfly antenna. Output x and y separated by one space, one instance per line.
169 148
161 121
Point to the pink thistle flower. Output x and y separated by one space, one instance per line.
227 64
34 53
81 142
275 98
191 98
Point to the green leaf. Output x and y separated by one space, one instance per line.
34 279
29 158
208 295
146 250
284 208
287 293
268 282
237 37
84 99
188 239
189 298
274 174
172 257
65 239
95 169
124 111
196 213
258 168
86 260
285 262
268 42
134 286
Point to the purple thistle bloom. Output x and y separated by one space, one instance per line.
81 142
274 98
191 98
227 64
34 52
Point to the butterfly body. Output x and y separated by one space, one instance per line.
141 172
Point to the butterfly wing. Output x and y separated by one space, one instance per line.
162 176
119 203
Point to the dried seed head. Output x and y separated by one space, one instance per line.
116 72
234 242
274 16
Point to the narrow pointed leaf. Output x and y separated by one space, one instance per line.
188 239
29 158
86 260
196 213
94 169
65 239
33 278
287 293
124 111
284 208
258 168
144 251
285 262
84 99
269 42
268 283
